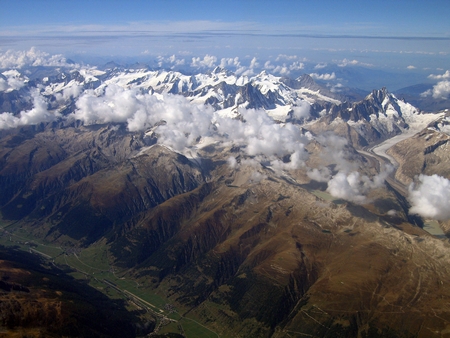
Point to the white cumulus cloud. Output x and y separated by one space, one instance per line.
230 62
346 62
260 135
268 65
170 62
430 197
32 57
444 76
178 122
320 65
354 186
254 63
302 110
347 183
336 88
325 77
36 115
347 187
297 65
208 61
440 91
322 174
13 80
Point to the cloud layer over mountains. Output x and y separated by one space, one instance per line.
180 124
37 114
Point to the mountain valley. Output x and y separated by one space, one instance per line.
257 206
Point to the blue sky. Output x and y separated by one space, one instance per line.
392 17
395 35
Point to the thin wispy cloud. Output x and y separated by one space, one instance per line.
210 28
346 62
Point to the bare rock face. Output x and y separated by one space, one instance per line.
342 128
250 250
425 153
377 117
14 101
247 249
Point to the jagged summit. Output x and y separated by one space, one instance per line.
249 202
306 81
219 70
379 95
380 114
263 73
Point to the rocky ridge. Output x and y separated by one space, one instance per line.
247 243
378 116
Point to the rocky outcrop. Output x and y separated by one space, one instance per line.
424 153
376 118
251 247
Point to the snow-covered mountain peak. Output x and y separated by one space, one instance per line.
379 116
300 100
11 80
264 76
389 105
268 82
379 95
219 70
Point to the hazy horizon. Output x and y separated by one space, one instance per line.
405 42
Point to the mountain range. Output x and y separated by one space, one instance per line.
260 206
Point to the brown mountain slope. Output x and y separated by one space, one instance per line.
270 258
249 250
426 153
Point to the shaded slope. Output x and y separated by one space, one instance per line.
40 300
